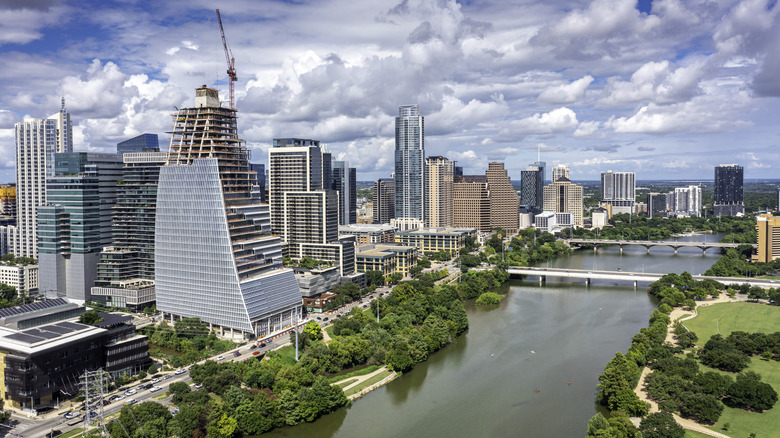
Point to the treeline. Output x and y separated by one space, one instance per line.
736 263
528 247
190 337
736 229
675 290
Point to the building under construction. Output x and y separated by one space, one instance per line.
215 256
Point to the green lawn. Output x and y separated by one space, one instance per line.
692 434
728 317
752 318
359 372
286 354
346 383
329 329
74 432
368 382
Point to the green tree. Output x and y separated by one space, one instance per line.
178 391
488 298
224 427
375 278
152 369
313 331
660 425
90 317
750 393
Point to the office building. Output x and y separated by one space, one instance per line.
532 188
75 223
656 204
142 143
768 228
37 140
125 273
599 218
504 203
457 171
23 277
471 202
436 239
406 224
542 168
560 171
439 174
409 163
8 200
259 180
729 197
344 183
215 258
384 200
388 259
563 196
687 201
367 234
618 190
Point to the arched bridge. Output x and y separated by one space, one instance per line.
703 246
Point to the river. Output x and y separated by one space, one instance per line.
555 338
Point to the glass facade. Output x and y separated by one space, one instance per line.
409 163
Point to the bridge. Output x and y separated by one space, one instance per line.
635 277
703 246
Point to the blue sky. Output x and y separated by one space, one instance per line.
666 88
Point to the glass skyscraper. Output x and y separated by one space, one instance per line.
142 143
729 197
215 257
409 163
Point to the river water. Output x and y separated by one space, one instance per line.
555 338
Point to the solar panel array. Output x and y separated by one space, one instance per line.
32 307
109 319
51 331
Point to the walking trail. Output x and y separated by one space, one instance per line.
681 315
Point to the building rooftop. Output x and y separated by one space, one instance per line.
442 231
365 228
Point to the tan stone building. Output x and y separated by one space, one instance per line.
504 203
471 202
563 196
768 228
439 173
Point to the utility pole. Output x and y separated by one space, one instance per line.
295 327
93 385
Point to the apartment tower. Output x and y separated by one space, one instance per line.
563 196
384 200
438 191
618 189
471 202
409 163
729 197
504 204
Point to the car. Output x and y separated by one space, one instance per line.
157 380
318 318
198 385
131 401
155 389
72 414
253 346
180 371
114 398
237 353
145 386
325 319
53 433
262 345
119 397
167 376
130 392
221 358
255 353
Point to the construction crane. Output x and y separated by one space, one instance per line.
231 63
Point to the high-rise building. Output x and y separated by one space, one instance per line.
768 228
560 171
438 191
656 204
687 201
504 204
259 180
563 196
125 273
344 182
409 163
384 200
471 202
532 188
215 257
457 171
728 200
618 189
37 140
542 168
305 211
142 143
8 200
75 223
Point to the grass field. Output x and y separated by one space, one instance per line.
359 372
692 434
729 317
75 432
368 382
752 318
347 383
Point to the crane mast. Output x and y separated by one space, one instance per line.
231 64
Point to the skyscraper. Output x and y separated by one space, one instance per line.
687 201
560 171
215 258
728 199
656 204
618 189
563 196
344 182
75 223
141 143
438 191
409 163
532 188
504 204
37 140
542 168
384 200
471 202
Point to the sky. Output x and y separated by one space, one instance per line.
665 88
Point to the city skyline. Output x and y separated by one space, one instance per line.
657 87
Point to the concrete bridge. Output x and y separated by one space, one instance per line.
635 277
703 246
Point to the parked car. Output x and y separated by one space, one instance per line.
262 345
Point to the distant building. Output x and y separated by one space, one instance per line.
504 203
526 217
388 259
729 197
543 168
367 234
640 208
409 163
532 188
619 190
23 277
76 222
142 143
560 171
8 200
471 202
436 239
768 228
344 182
656 204
546 222
384 200
687 201
260 180
406 224
438 191
599 218
563 196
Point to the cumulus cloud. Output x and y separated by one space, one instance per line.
566 93
558 120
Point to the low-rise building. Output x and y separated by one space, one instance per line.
313 282
23 277
436 239
367 234
389 259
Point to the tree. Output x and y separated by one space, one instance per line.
178 390
7 292
660 425
90 317
190 328
375 278
488 298
152 369
702 408
313 331
750 393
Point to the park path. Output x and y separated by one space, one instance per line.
640 390
360 379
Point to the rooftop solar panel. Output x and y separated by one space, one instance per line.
57 329
24 338
32 307
71 325
40 333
